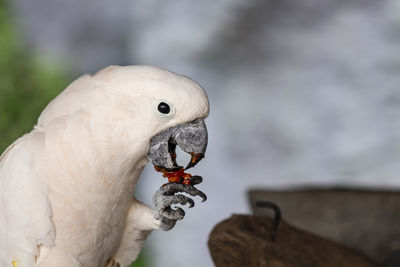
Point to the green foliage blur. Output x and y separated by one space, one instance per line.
26 85
143 260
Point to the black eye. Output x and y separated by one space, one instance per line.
164 108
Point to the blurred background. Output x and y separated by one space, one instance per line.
302 92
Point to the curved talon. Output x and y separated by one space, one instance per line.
172 188
167 196
164 201
196 179
183 200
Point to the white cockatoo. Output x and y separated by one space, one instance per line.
67 186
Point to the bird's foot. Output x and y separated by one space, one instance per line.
166 196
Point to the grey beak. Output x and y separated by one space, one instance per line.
191 137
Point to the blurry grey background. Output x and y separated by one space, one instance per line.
302 92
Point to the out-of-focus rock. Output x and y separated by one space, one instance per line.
368 221
244 241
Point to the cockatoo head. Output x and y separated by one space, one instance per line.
139 111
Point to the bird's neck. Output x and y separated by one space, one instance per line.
84 159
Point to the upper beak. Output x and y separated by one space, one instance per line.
191 137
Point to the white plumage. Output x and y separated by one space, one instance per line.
67 187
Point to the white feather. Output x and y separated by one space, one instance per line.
24 207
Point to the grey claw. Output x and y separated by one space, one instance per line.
172 188
163 201
195 179
166 196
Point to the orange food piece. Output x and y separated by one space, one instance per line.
178 176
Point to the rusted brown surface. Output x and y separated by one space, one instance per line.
366 220
244 241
